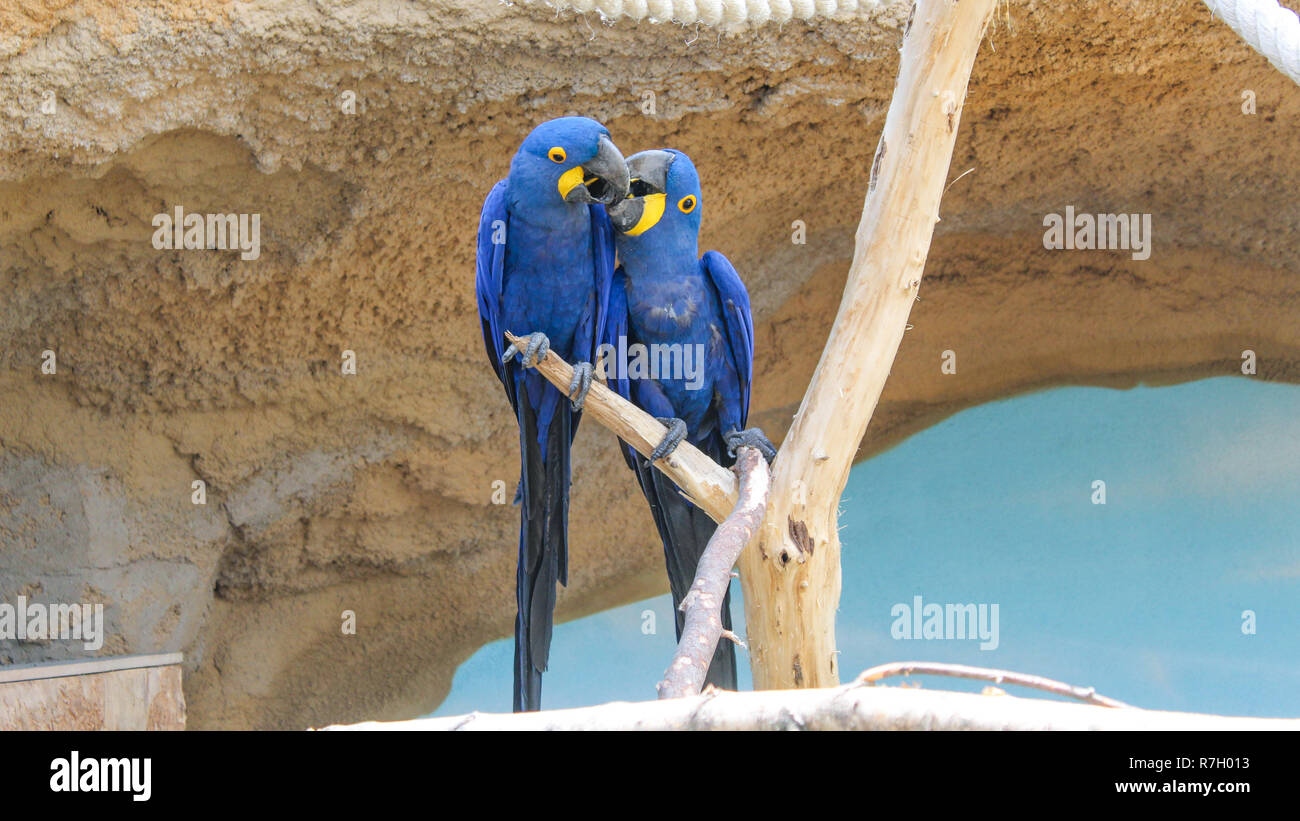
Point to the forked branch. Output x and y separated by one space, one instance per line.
703 602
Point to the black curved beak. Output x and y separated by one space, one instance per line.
648 172
625 213
604 176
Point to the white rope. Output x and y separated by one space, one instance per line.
1271 30
713 12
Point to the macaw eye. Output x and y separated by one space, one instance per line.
686 204
557 154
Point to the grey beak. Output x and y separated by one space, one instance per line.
650 168
608 174
625 213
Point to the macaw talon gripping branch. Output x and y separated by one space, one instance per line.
531 350
580 384
674 437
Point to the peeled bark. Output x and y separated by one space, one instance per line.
791 576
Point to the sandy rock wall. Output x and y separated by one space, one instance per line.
365 134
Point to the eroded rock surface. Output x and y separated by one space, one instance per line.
373 493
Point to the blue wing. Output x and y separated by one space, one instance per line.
618 326
737 320
490 267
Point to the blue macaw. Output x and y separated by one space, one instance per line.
545 263
664 295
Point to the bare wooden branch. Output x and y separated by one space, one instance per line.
792 579
851 707
703 602
928 668
711 487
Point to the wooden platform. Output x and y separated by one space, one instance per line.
115 693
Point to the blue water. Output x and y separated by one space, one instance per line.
1142 597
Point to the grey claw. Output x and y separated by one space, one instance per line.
580 385
676 433
535 351
750 437
538 347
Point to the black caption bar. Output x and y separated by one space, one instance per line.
133 772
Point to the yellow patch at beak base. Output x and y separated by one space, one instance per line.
652 211
569 180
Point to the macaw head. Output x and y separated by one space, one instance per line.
568 160
663 200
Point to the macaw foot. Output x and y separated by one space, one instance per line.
676 433
532 353
580 385
750 437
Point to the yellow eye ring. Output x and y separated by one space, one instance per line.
557 154
686 204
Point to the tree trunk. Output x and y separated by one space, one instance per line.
791 574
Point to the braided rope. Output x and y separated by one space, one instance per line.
1271 30
713 12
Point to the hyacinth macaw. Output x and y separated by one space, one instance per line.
665 294
545 263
